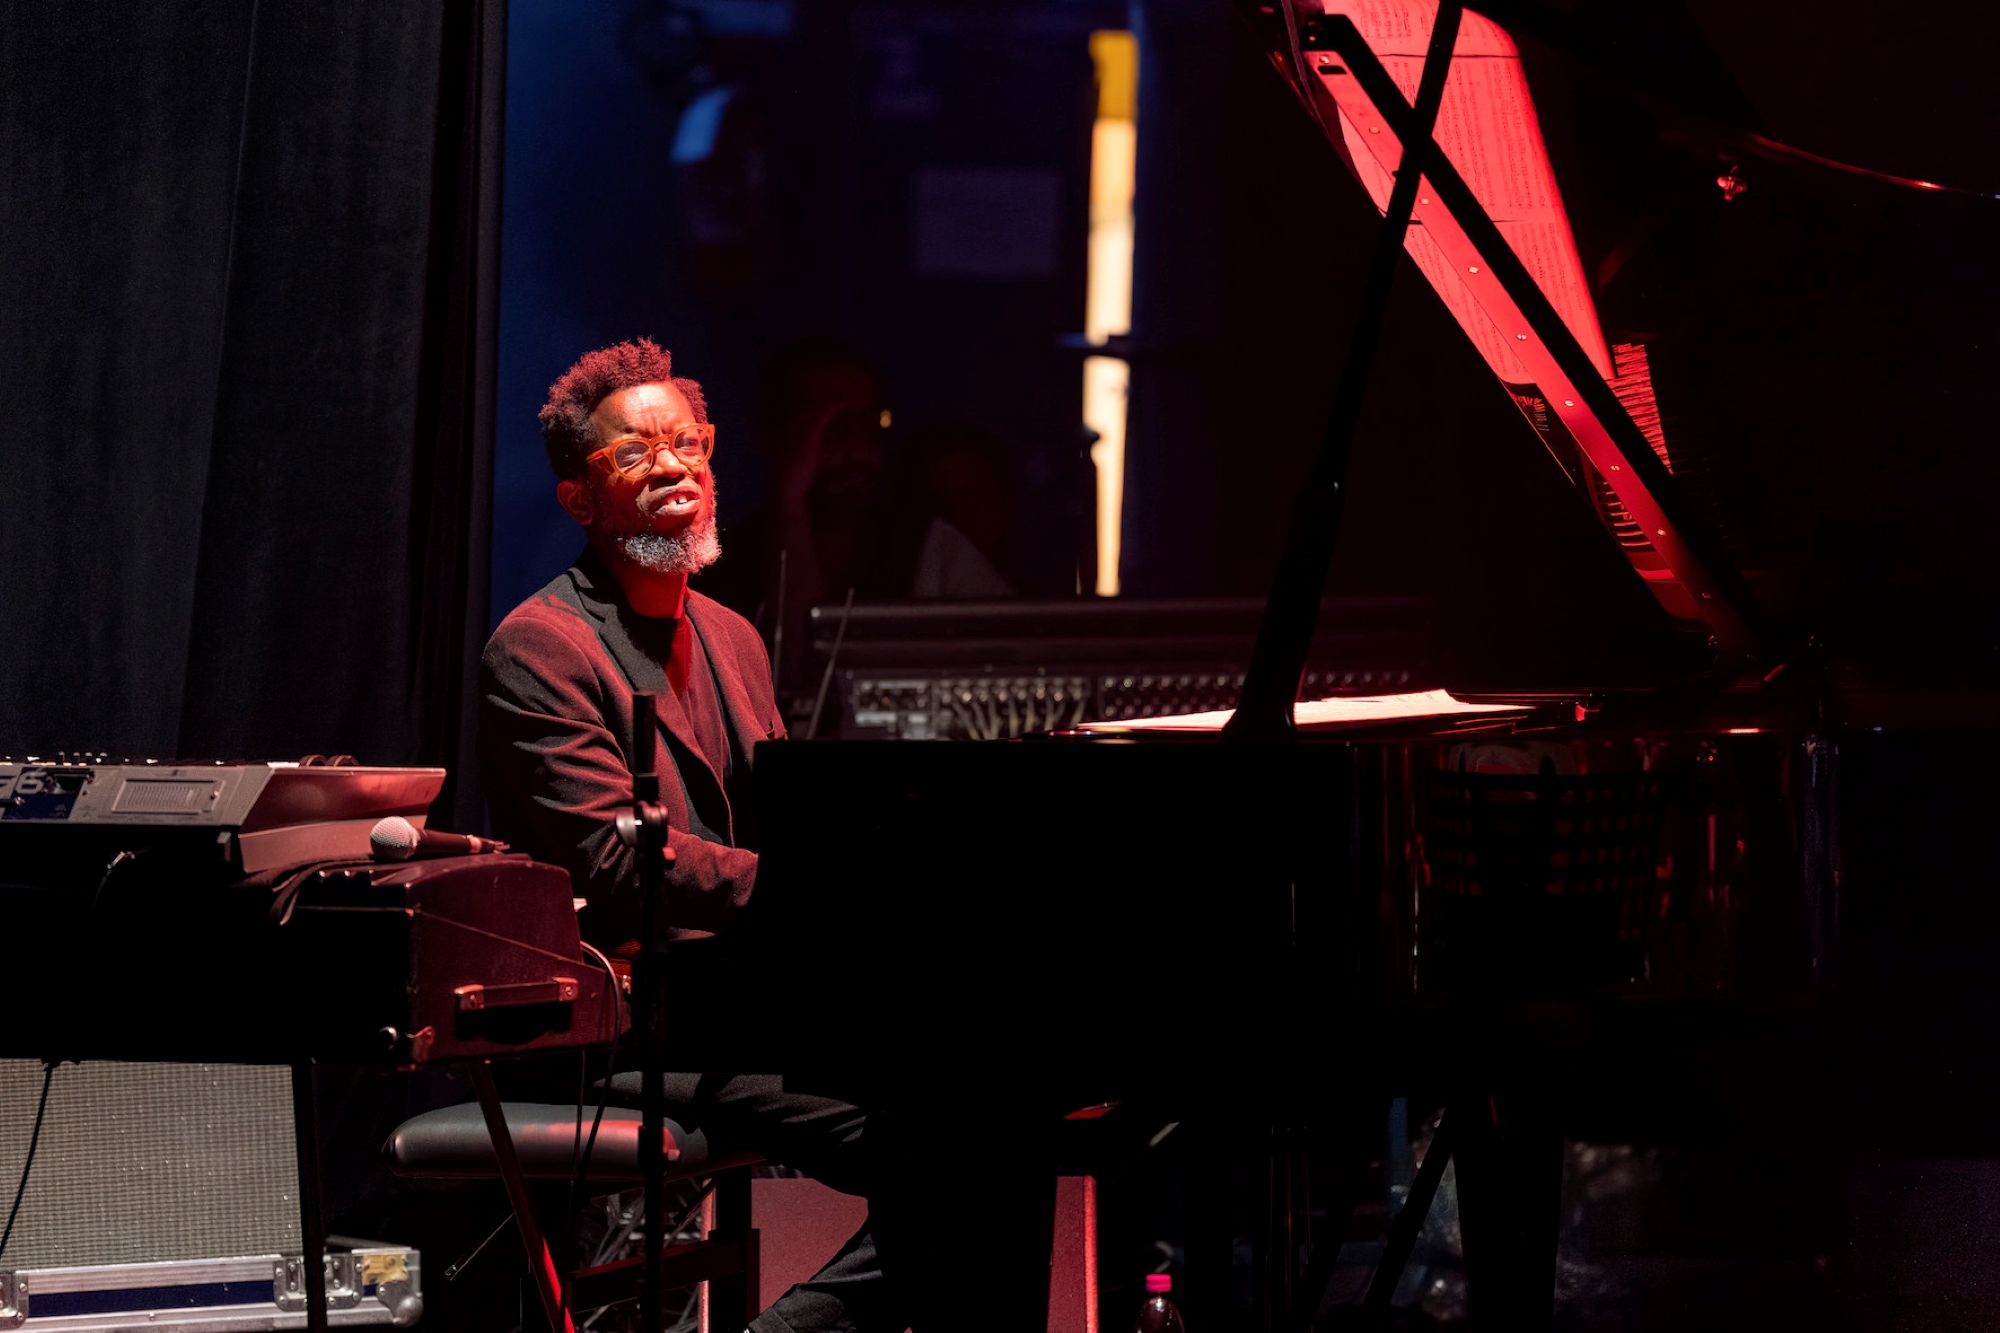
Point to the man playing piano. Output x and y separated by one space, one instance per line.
630 446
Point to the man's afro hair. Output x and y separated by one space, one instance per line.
567 432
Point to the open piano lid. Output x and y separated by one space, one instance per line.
1819 333
1489 231
1812 343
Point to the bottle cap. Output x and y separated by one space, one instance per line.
1159 1282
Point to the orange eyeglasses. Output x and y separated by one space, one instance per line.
632 456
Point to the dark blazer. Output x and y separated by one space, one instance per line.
555 722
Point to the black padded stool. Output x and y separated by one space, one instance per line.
453 1144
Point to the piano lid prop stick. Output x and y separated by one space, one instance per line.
1284 636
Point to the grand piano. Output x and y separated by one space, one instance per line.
1580 910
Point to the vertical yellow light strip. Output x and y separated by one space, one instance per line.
1114 144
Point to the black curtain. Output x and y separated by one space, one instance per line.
248 269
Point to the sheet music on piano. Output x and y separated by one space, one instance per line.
1339 714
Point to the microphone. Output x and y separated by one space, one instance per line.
397 839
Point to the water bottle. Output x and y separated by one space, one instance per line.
1159 1314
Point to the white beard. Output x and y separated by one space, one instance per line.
688 552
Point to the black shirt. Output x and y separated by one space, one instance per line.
671 663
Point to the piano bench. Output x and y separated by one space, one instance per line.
452 1144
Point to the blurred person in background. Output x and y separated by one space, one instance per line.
963 502
928 519
820 424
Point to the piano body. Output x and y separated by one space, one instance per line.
1630 914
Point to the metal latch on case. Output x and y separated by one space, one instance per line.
288 1282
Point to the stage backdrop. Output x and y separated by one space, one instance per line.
248 253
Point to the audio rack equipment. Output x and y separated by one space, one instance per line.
985 670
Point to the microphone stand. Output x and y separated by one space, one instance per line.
645 829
